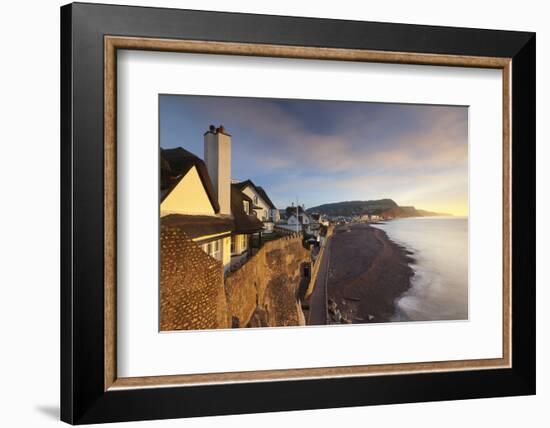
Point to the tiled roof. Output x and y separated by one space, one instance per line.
196 226
264 196
292 210
259 190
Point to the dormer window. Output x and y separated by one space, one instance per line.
246 206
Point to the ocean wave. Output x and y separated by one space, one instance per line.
439 286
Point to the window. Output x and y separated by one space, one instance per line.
212 249
216 249
255 200
233 245
246 207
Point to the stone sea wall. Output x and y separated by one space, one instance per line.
263 292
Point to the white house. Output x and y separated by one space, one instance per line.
301 220
262 205
297 220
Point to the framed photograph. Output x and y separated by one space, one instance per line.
265 213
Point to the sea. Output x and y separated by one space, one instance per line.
439 286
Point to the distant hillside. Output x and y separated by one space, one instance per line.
384 207
350 208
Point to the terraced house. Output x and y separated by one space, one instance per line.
266 210
199 198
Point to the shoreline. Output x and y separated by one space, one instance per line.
368 273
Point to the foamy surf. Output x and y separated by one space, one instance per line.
439 287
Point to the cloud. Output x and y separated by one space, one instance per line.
333 150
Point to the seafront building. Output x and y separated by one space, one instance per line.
266 210
211 276
199 198
296 219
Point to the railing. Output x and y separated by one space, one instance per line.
284 230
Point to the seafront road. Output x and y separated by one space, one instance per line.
318 303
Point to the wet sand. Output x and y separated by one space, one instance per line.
367 273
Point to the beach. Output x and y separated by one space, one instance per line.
368 272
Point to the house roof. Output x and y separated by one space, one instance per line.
291 211
196 226
259 190
174 165
244 223
264 196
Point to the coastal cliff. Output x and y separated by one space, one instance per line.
381 207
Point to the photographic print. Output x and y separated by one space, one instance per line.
291 212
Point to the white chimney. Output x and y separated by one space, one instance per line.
217 156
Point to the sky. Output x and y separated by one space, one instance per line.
313 152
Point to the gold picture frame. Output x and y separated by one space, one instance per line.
114 43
